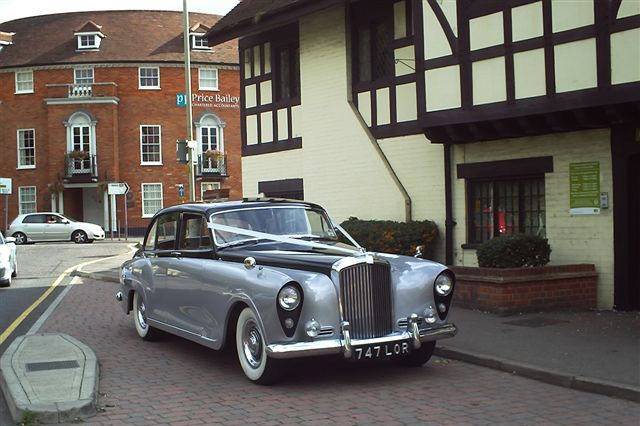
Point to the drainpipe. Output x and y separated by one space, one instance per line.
387 164
448 207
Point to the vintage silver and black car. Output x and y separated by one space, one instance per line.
272 277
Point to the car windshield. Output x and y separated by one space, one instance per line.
294 222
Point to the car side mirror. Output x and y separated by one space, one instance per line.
10 240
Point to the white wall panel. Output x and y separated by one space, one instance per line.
364 106
575 65
383 106
252 129
266 127
296 121
529 73
406 102
527 21
265 92
443 88
436 44
489 81
283 124
629 8
486 31
400 19
405 60
625 56
568 14
250 99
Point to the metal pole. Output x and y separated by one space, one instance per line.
187 77
6 212
126 218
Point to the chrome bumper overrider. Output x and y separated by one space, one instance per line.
346 344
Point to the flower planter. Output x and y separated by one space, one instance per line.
563 287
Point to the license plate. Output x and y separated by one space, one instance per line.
381 351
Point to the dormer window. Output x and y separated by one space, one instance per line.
5 39
89 36
199 42
90 41
197 34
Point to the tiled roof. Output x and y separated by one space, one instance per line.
90 26
131 36
251 11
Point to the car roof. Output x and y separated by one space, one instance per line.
210 208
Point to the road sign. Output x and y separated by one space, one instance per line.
181 100
180 190
5 186
117 188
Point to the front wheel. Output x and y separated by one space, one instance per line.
252 351
418 357
145 331
79 237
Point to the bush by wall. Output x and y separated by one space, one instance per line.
387 236
514 251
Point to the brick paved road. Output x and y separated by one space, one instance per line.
180 383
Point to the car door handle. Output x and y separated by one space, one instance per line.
177 254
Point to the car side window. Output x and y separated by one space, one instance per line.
195 234
150 239
167 230
35 218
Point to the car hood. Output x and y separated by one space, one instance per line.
286 255
87 225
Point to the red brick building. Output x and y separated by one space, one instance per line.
96 97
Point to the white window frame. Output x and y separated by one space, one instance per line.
94 45
75 76
202 184
196 46
35 199
18 91
151 163
146 215
203 87
25 166
140 86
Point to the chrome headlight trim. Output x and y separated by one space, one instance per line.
289 298
443 284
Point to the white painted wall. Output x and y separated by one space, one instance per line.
573 239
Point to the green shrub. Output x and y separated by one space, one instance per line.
514 251
386 236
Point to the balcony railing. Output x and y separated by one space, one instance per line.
82 91
81 170
212 166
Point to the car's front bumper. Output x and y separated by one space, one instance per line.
345 345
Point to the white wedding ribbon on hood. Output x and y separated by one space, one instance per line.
286 239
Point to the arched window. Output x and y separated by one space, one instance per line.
210 131
81 137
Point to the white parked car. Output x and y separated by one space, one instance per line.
35 227
8 260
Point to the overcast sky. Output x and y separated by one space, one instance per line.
14 9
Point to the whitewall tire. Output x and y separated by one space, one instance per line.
252 351
144 330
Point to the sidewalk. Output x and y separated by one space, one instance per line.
593 351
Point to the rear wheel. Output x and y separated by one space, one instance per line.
418 357
79 237
20 238
252 351
145 331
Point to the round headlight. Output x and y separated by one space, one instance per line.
289 298
444 285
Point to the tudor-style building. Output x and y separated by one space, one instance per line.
489 117
90 98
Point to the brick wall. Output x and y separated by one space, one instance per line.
526 289
117 134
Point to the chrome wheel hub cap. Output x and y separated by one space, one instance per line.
80 237
142 318
252 344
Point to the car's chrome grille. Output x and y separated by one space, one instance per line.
365 291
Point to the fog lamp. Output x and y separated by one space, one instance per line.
442 308
430 315
312 328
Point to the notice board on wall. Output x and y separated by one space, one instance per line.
584 188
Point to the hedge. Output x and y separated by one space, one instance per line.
514 251
386 236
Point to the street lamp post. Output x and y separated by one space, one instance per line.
187 77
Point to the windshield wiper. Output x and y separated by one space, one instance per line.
312 238
241 243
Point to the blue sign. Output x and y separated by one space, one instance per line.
180 190
181 100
